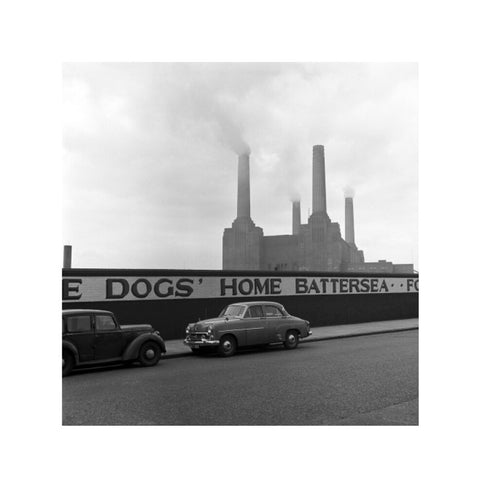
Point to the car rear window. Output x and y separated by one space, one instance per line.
78 323
272 311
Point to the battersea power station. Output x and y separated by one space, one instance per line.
315 246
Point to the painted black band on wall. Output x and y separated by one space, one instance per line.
163 298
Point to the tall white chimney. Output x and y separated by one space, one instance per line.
243 193
349 225
296 218
319 195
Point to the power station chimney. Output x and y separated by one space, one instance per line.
296 218
67 256
319 194
243 194
349 226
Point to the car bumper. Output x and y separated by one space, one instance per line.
204 342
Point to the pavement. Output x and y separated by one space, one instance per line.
176 348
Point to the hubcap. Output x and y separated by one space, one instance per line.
150 353
291 338
227 346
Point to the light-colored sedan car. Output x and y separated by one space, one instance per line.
246 324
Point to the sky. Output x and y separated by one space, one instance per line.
150 156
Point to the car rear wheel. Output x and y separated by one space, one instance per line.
149 354
67 362
228 346
291 339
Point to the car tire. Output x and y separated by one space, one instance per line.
68 361
149 354
227 346
291 339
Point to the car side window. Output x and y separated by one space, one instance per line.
256 311
76 324
104 323
272 312
247 314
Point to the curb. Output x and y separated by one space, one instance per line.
315 339
359 334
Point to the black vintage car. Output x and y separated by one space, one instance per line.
94 337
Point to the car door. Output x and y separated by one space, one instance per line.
79 331
273 320
109 339
254 321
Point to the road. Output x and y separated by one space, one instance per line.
352 381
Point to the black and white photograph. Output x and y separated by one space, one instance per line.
240 244
231 205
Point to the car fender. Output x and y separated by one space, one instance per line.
300 325
239 335
131 352
72 348
289 325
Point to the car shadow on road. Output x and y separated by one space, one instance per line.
105 368
207 355
260 349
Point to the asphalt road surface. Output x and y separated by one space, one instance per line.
370 380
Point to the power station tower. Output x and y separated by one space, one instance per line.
242 243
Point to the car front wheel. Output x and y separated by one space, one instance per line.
228 346
67 362
291 339
149 354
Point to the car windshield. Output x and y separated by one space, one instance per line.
233 310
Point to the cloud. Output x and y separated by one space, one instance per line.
151 147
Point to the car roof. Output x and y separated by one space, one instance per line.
256 303
76 311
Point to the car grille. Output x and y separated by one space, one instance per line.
197 336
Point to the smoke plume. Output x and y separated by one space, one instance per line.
349 192
230 133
